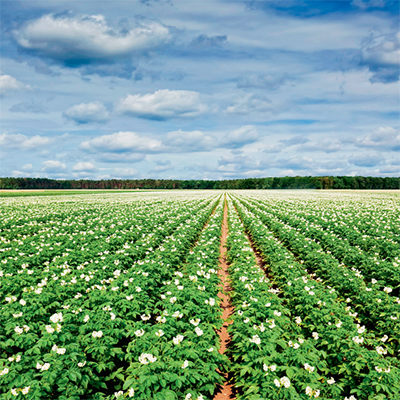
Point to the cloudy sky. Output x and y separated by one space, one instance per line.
199 89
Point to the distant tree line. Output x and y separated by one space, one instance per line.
286 182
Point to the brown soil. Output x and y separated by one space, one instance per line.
227 390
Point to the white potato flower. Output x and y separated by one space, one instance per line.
255 339
178 339
198 331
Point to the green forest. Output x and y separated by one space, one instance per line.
287 182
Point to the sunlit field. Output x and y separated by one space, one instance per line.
198 295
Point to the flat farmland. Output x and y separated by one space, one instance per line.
200 295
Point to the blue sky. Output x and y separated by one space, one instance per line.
199 89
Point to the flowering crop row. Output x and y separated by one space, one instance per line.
370 223
114 297
371 304
79 237
273 356
385 272
71 339
176 356
360 364
60 270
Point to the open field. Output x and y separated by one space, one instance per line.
200 295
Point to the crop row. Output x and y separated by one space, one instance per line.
82 236
182 344
273 357
373 228
77 346
370 304
382 273
75 276
360 364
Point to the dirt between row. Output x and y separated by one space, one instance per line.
227 390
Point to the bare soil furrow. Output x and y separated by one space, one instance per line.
226 391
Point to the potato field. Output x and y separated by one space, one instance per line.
245 295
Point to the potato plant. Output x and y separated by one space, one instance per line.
360 363
118 296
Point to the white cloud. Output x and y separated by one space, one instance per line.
382 56
195 141
323 144
84 166
296 163
28 167
383 138
53 166
162 165
88 37
21 174
86 113
189 141
250 103
163 104
9 84
124 173
132 147
240 137
367 160
274 148
122 142
22 142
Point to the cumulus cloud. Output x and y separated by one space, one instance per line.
78 40
295 140
122 142
163 104
84 166
323 144
384 138
250 103
284 143
127 173
20 174
236 162
189 141
22 142
196 141
162 165
27 167
87 113
304 144
295 163
240 137
381 54
273 148
53 166
9 84
132 147
367 160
